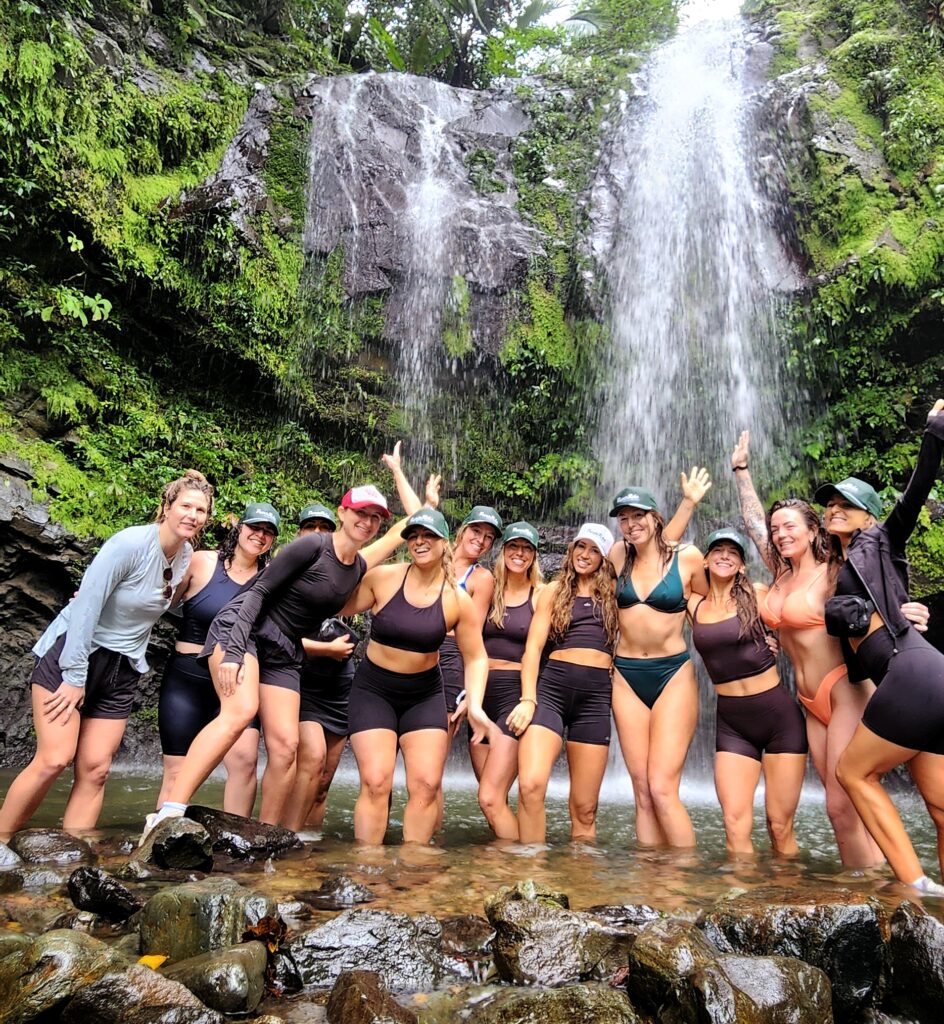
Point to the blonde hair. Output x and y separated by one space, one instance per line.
192 480
602 594
496 613
449 569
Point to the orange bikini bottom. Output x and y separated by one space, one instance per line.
820 705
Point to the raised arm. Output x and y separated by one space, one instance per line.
904 516
383 548
523 711
752 512
694 488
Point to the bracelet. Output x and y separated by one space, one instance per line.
734 469
527 700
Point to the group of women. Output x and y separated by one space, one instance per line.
532 667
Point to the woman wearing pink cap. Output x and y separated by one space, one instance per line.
254 644
577 614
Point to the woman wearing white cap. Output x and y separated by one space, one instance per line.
254 645
572 697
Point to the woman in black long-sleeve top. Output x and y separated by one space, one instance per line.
904 720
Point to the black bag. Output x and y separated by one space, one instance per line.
848 615
334 629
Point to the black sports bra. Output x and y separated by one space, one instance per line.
405 627
728 655
508 643
585 631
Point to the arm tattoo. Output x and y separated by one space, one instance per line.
752 511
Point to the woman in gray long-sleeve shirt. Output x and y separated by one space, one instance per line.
92 655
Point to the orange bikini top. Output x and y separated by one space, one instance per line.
795 612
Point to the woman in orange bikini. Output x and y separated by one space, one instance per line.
795 548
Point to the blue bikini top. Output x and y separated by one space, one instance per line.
668 595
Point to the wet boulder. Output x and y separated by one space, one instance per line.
836 930
186 920
37 876
39 977
405 951
540 942
50 846
337 893
360 997
94 890
467 945
177 844
8 858
243 838
137 994
134 870
631 916
573 1004
916 954
666 952
230 980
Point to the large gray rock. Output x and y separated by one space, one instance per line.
405 951
177 844
50 846
8 858
230 980
243 838
39 977
360 997
539 942
836 930
187 920
137 995
916 955
92 889
573 1004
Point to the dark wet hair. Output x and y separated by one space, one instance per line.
822 549
227 549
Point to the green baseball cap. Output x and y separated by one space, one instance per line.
855 491
730 535
634 497
427 519
484 514
317 511
521 531
261 512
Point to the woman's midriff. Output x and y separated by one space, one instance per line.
395 660
813 654
184 648
505 666
583 656
751 686
647 633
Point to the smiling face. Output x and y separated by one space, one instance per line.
636 525
256 539
315 526
518 556
361 524
426 549
790 533
842 518
587 557
724 561
474 541
187 514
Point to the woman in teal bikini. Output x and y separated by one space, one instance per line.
655 696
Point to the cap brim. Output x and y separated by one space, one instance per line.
727 540
410 530
318 519
824 493
260 522
628 504
359 505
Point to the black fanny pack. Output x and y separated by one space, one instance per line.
848 615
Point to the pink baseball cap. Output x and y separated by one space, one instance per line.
365 497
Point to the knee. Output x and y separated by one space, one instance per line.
94 773
662 790
846 778
310 762
779 828
583 812
282 748
532 789
736 820
376 786
642 792
490 800
425 789
51 764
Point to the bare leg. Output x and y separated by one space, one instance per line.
478 755
671 729
632 726
210 744
335 748
452 728
424 757
860 771
310 763
172 765
55 749
278 711
538 749
376 754
498 773
928 772
99 739
240 762
783 780
586 763
736 778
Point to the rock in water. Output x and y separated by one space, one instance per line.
917 965
360 997
36 979
243 838
337 893
539 942
574 1004
49 846
134 995
8 858
93 889
177 844
664 954
405 951
230 980
187 920
467 945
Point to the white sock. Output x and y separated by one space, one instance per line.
928 886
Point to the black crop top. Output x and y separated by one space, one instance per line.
585 630
201 609
300 588
726 654
508 643
405 627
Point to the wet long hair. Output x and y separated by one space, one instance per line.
821 547
496 613
745 604
602 593
665 550
227 549
192 480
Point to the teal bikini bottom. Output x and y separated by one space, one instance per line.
648 677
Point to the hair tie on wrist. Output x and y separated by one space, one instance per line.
734 469
527 700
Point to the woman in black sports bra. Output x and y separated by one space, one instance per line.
577 613
758 723
397 699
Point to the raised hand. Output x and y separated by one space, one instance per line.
433 484
741 453
392 459
697 485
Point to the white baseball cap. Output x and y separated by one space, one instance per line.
597 533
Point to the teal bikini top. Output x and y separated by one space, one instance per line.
668 595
